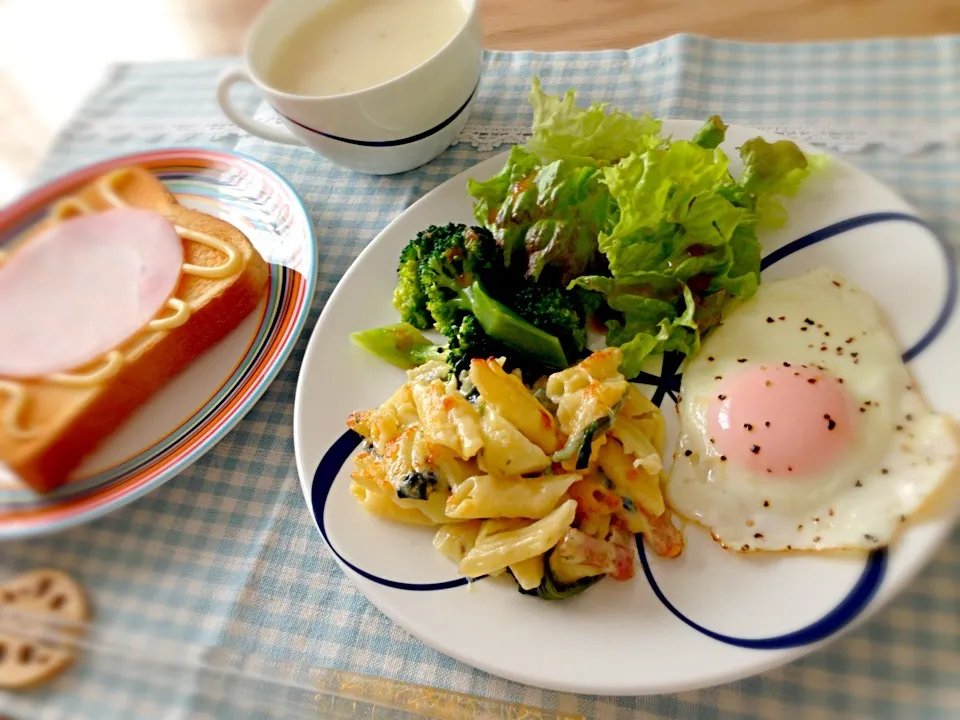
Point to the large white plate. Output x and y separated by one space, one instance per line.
703 619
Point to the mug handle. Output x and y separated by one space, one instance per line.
227 80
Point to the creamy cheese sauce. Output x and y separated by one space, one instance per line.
351 45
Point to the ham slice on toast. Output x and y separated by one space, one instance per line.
107 299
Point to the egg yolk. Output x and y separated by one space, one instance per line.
783 420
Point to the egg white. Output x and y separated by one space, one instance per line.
901 454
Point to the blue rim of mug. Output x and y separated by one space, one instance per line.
389 143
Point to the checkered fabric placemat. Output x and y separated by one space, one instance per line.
226 554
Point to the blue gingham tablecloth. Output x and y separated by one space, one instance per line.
226 554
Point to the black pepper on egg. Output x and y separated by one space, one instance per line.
755 449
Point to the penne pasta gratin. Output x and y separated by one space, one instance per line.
550 484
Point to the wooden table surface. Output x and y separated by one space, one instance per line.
598 24
37 96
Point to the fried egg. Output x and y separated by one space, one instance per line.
800 426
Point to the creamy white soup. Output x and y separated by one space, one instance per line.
351 45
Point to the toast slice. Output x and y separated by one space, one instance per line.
70 422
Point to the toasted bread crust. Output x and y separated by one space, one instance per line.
75 421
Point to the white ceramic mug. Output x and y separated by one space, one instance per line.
389 128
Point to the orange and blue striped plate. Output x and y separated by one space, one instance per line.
269 212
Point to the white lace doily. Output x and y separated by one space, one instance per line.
844 140
840 138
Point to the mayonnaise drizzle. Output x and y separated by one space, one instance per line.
12 408
69 207
225 269
181 313
109 366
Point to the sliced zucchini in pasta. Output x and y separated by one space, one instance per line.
448 419
499 496
514 402
509 548
587 392
505 449
576 411
457 540
379 504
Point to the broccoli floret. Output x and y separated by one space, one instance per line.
455 264
555 310
470 341
463 252
408 297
